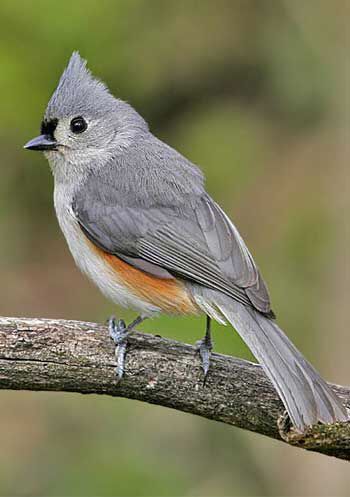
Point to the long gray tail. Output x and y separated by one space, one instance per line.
305 395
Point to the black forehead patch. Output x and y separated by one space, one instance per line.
48 127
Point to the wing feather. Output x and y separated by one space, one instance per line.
195 241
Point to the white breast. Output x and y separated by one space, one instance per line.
89 261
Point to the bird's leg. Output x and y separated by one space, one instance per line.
119 332
204 348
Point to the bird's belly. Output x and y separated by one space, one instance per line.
120 282
167 295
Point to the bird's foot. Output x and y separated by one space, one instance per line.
119 333
204 348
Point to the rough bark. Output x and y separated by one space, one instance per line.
73 356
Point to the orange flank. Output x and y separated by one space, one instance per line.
170 295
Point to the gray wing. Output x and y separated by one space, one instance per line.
194 240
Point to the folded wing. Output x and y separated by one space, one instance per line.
194 240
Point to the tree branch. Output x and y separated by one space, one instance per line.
72 356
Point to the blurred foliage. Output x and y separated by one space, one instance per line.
256 93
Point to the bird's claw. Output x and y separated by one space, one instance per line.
204 348
119 333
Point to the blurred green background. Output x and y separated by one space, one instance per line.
256 92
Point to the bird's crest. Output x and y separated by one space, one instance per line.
78 92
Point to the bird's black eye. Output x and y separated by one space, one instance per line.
78 125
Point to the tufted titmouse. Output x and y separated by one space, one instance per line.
140 224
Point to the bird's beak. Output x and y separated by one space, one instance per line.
42 142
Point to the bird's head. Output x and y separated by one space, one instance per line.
83 122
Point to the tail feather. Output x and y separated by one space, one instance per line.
305 395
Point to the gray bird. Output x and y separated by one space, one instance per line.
140 224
